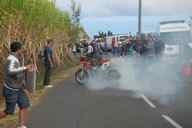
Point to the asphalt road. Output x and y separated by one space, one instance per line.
68 105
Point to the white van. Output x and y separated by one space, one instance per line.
174 34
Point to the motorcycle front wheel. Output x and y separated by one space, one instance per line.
81 77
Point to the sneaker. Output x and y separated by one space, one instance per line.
22 126
49 86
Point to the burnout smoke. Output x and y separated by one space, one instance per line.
157 78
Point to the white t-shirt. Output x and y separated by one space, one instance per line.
74 48
90 49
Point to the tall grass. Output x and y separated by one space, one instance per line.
32 22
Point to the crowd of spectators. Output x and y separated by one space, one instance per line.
140 44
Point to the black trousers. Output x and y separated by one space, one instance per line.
47 74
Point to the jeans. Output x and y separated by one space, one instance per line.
115 51
47 76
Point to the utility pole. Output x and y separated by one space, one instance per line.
140 17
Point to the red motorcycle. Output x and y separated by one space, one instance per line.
95 67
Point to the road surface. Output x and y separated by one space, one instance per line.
68 105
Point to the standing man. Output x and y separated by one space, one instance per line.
90 50
13 90
74 49
48 53
115 46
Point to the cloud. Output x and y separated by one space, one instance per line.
167 7
97 8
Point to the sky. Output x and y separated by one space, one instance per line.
119 16
103 8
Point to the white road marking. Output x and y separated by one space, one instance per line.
175 124
148 101
167 118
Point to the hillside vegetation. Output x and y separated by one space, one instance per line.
33 22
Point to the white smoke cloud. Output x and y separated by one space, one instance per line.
158 79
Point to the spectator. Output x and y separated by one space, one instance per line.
115 45
105 45
90 50
139 45
13 90
159 47
48 53
74 49
130 46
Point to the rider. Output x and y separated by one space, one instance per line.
92 53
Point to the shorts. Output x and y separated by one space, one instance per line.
13 98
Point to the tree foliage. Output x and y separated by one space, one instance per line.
34 21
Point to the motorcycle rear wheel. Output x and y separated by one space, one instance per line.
113 74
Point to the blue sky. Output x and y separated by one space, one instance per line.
119 16
125 24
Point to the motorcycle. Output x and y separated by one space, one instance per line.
93 67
